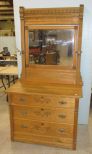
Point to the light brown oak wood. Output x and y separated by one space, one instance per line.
59 115
71 91
44 102
47 140
43 128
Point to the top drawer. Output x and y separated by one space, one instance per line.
42 100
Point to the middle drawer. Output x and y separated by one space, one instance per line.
46 114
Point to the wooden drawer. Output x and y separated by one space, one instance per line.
43 100
62 115
55 141
43 128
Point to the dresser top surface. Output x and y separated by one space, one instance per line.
69 90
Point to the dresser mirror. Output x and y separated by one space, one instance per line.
51 46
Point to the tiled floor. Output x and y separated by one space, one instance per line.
84 143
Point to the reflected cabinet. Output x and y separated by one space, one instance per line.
44 102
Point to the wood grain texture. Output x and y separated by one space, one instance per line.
39 139
43 128
74 91
48 18
59 115
11 118
44 102
69 15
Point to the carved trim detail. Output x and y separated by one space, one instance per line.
64 12
52 15
21 10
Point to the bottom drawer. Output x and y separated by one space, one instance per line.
54 141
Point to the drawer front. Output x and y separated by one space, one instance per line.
43 100
32 138
62 115
43 128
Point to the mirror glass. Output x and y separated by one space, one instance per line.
51 47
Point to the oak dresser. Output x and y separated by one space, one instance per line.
44 102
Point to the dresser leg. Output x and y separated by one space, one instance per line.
74 146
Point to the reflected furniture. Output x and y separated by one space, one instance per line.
44 102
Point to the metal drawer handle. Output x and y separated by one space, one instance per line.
22 99
62 102
61 130
59 141
62 116
24 126
24 113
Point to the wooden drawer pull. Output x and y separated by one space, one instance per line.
62 116
42 97
24 126
42 124
62 102
62 130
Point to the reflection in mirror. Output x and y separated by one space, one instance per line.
51 47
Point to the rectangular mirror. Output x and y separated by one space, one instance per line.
51 46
